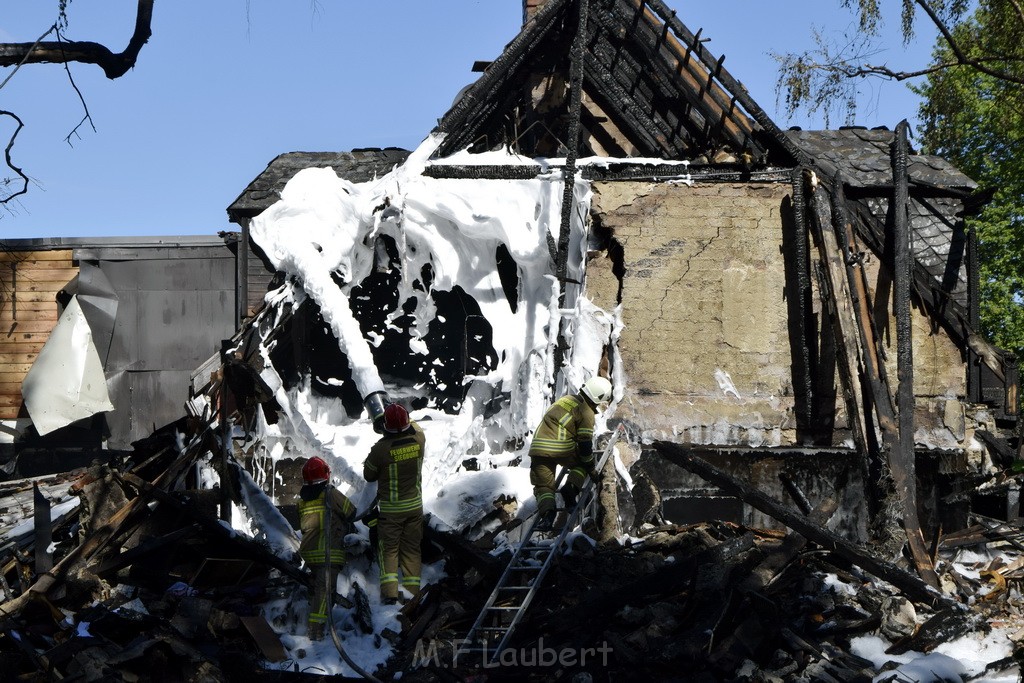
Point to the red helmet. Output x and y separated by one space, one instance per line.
315 471
396 418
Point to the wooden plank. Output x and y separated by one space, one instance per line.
836 301
40 324
9 413
265 637
24 295
39 255
19 345
19 337
14 369
51 286
17 358
27 309
39 272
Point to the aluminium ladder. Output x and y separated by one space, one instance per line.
524 575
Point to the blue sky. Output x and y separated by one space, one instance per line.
223 87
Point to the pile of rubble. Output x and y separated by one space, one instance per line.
147 583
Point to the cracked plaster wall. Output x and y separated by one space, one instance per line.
705 344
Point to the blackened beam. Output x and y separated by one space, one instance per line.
903 456
499 71
973 313
215 528
706 173
569 174
926 286
910 585
619 102
799 300
730 83
836 302
151 545
652 65
874 370
616 76
702 81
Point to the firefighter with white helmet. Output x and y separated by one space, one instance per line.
565 437
325 514
395 462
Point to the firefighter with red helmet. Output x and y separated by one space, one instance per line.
395 462
565 437
325 514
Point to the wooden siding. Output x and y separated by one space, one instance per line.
29 283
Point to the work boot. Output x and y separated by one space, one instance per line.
569 494
546 522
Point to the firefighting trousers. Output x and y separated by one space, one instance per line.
324 585
542 476
398 547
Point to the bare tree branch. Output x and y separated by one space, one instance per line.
961 56
38 40
10 163
88 116
886 72
114 65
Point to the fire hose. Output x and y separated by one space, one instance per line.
328 575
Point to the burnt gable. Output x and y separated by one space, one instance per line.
648 88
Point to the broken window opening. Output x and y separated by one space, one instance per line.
602 238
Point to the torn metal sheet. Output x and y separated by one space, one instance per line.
66 383
98 300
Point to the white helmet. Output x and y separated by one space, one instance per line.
598 390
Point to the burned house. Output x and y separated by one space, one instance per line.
795 306
788 319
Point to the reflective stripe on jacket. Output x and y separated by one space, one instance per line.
313 521
395 462
568 422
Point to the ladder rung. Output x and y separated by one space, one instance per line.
505 609
514 588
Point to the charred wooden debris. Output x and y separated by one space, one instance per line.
144 577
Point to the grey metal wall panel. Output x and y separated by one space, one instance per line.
172 274
124 343
171 386
119 421
179 330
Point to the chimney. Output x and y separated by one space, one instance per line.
531 7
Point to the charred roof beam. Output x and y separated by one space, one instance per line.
731 84
716 106
649 136
672 109
464 120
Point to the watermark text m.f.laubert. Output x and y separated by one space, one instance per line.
428 653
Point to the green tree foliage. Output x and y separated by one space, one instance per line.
973 104
975 119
